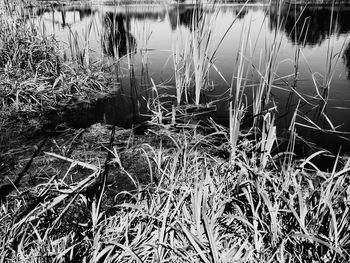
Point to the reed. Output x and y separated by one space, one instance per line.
203 22
34 77
196 194
79 46
197 209
267 70
322 81
182 58
237 92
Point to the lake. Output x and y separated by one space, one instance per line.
143 37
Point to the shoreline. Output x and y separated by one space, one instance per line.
179 189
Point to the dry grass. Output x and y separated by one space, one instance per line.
199 208
182 192
34 78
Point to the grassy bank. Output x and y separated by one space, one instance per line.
188 204
35 81
183 191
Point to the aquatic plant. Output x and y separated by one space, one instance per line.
203 22
182 58
237 93
195 192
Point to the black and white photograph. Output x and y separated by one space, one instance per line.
209 131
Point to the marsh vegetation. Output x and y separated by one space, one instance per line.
174 133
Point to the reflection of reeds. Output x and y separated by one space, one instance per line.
197 207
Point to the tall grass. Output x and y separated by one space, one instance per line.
198 209
203 23
267 70
210 195
237 93
79 45
182 58
34 77
322 81
23 51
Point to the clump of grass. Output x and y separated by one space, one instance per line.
202 30
23 51
182 58
33 76
194 58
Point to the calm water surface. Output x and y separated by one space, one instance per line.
149 33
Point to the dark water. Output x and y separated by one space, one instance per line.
149 33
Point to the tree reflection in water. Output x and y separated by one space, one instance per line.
118 41
311 25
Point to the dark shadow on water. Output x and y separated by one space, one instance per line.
125 107
120 110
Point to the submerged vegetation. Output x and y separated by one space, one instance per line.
185 189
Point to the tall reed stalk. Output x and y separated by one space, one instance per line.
182 58
267 69
203 23
332 59
237 92
80 46
196 206
323 81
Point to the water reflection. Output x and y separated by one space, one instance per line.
122 29
182 15
346 59
310 25
82 12
124 108
153 15
118 41
63 16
